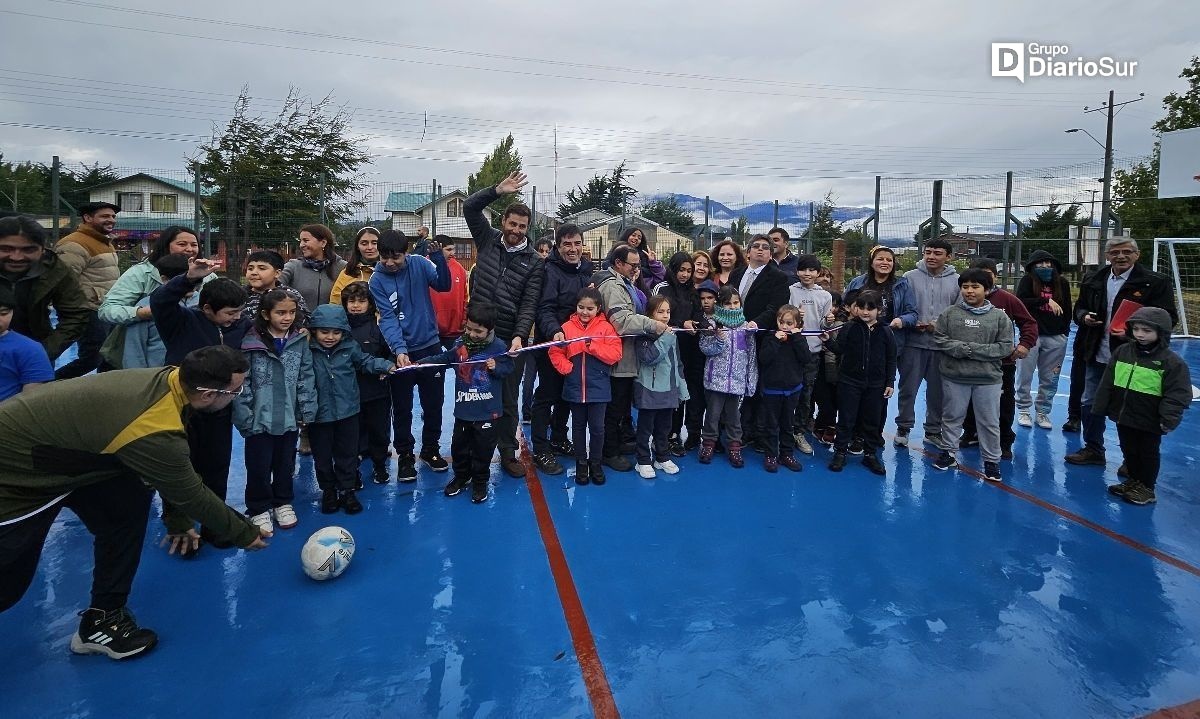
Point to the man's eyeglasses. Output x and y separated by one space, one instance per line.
235 392
760 246
1119 253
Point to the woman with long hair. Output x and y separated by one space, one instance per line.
727 256
652 270
361 266
1047 296
314 272
701 267
120 305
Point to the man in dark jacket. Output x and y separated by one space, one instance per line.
1100 297
764 289
781 253
567 272
37 280
508 274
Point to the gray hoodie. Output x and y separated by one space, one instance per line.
932 295
973 345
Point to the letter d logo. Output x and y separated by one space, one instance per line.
1008 60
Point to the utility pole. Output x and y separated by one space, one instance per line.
1106 193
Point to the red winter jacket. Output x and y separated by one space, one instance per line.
450 306
587 365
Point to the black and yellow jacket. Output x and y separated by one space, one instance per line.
1146 388
74 433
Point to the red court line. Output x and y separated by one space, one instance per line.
594 677
1190 710
1082 521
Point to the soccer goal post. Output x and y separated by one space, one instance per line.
1179 259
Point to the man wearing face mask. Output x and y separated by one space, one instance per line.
1100 298
508 274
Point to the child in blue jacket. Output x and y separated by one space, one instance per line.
278 397
375 401
480 366
337 360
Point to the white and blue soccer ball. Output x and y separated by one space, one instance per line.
327 553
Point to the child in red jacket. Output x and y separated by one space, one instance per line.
585 362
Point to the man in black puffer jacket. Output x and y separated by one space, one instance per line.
567 272
508 275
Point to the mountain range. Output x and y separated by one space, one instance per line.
790 214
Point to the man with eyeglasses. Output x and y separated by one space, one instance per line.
100 446
1100 298
764 289
625 312
38 280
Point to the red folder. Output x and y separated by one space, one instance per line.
1121 316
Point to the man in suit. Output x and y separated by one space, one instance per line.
764 289
1100 297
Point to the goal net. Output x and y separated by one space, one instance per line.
1179 259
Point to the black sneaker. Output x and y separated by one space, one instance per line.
512 466
564 448
597 473
1139 494
380 476
1122 472
350 502
406 468
583 473
479 492
675 446
838 462
114 633
945 461
872 463
618 462
856 446
547 463
991 472
330 502
1071 426
434 460
1086 456
456 486
1119 490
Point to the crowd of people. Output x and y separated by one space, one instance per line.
724 351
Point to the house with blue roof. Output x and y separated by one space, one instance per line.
149 203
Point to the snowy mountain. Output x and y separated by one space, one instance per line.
790 214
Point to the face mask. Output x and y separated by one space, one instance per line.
1045 274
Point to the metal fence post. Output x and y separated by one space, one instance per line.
54 195
322 198
936 227
775 216
196 208
533 220
433 198
808 236
707 227
1004 254
875 229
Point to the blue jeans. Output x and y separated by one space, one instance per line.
1093 424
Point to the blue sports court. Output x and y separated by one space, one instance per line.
712 593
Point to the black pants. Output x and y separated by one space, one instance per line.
804 408
1008 409
777 411
550 410
584 416
653 431
88 351
115 511
825 398
471 448
860 413
270 469
506 425
1140 450
615 414
334 450
210 442
431 388
374 421
752 424
1078 380
693 411
527 367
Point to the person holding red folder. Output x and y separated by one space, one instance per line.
1097 313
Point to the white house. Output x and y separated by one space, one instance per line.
149 203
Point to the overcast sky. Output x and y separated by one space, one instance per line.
761 101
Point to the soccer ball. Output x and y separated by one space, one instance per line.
327 553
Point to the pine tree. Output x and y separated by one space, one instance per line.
504 160
609 193
666 211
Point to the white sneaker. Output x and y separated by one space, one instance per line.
802 443
286 516
646 471
263 521
1024 419
1043 421
668 466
